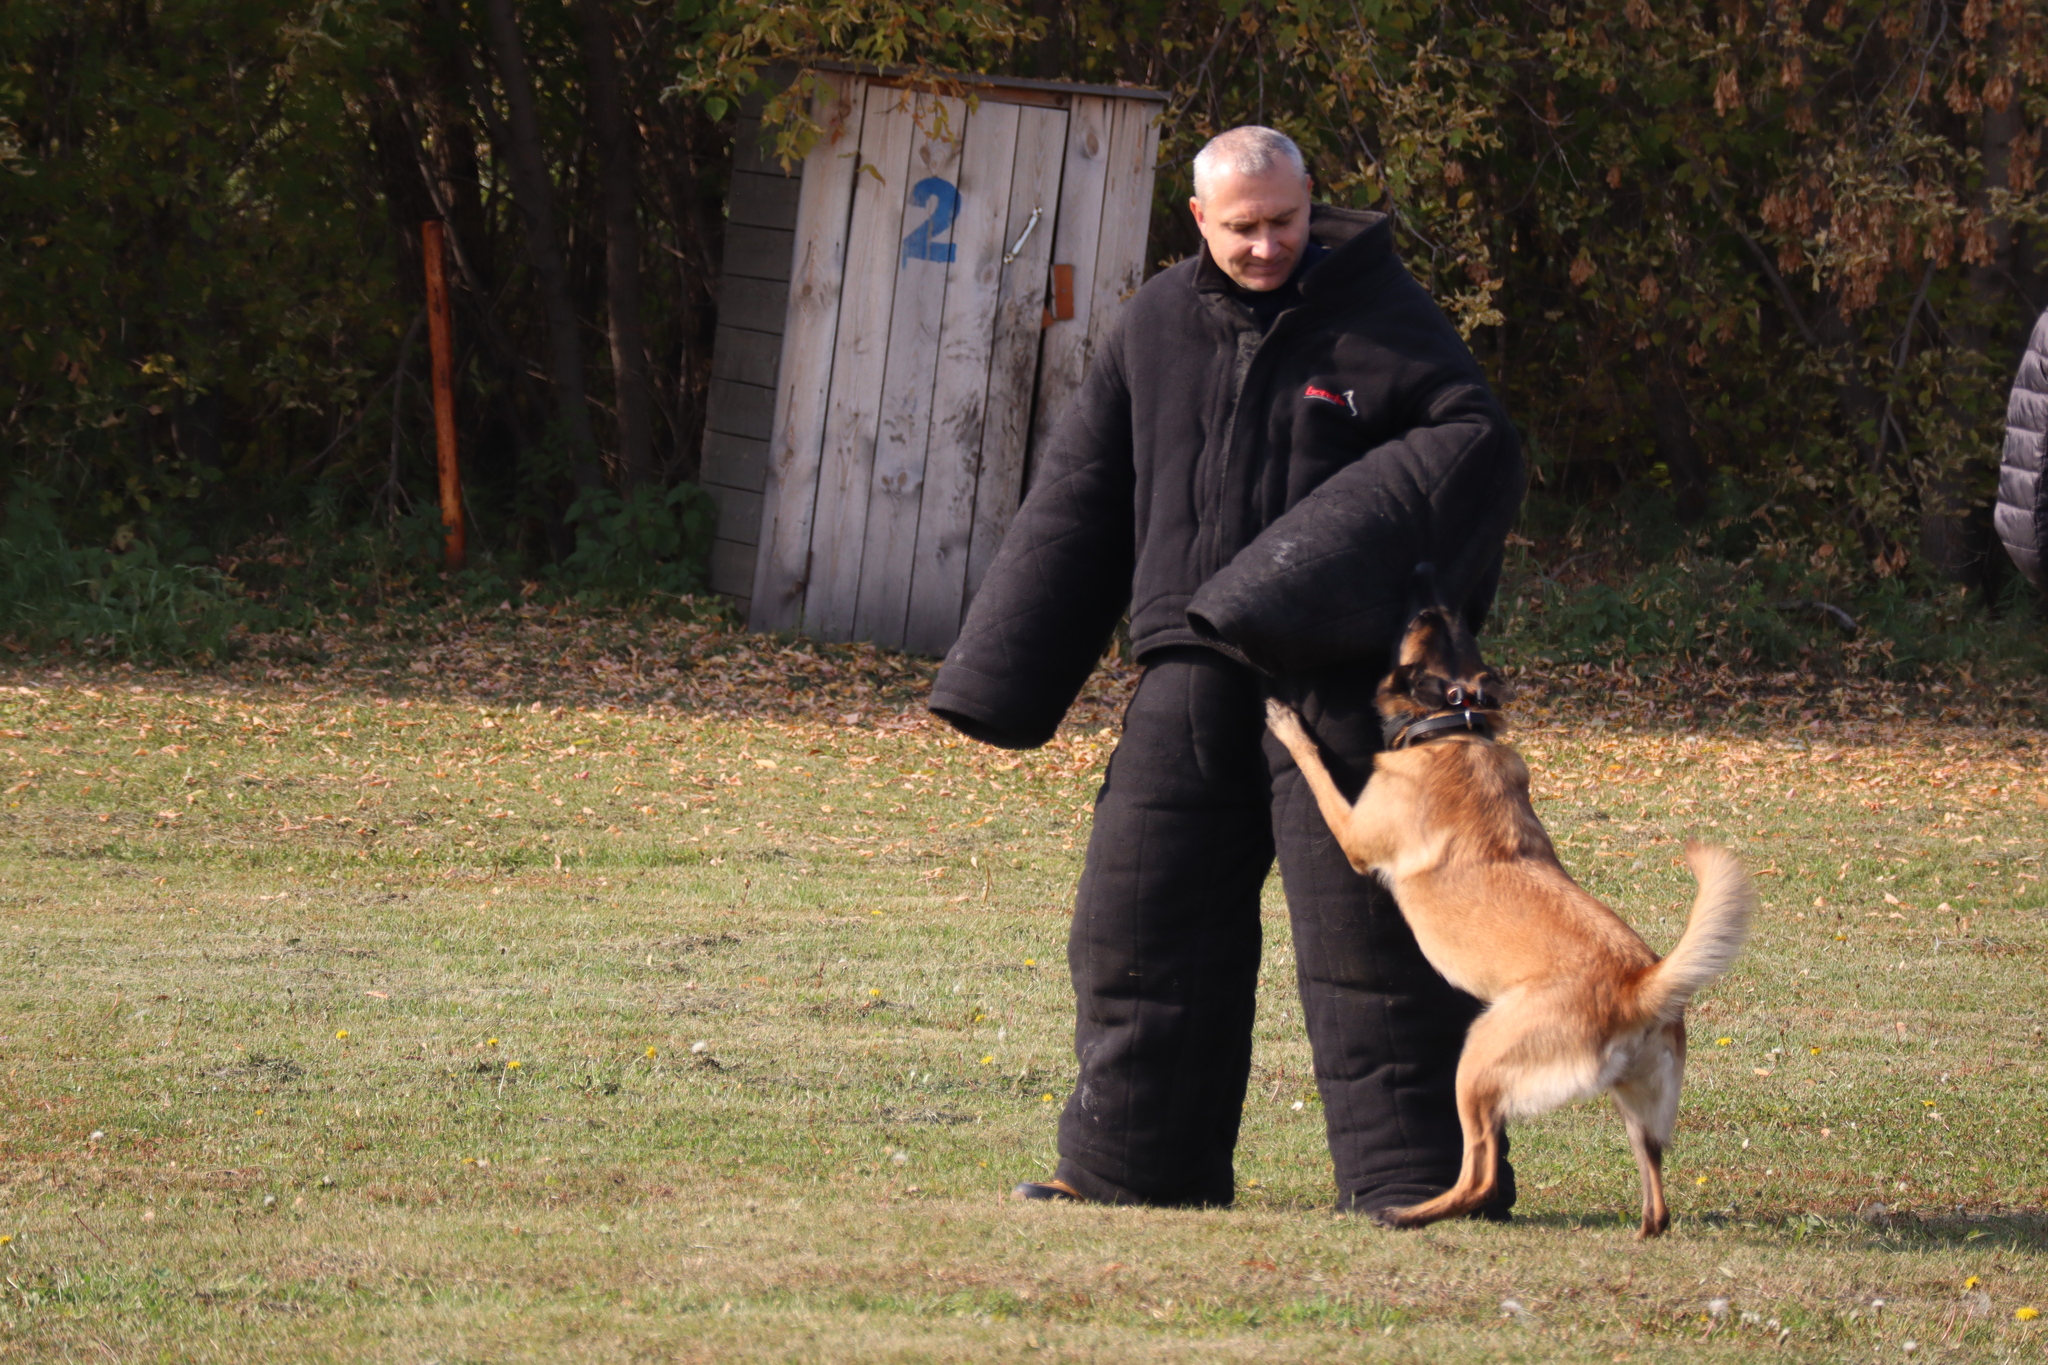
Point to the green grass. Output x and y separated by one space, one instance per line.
208 880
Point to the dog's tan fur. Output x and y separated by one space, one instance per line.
1578 1004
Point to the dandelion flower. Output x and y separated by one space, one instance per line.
490 1042
2026 1314
874 993
512 1066
341 1035
5 1238
988 1061
1700 1181
1972 1282
1723 1042
650 1054
1031 962
1045 1098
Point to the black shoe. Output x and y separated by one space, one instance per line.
1057 1191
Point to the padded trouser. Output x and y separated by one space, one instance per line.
1165 956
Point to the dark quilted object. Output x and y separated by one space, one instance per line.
1263 493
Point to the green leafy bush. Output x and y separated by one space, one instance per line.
1752 614
645 543
123 602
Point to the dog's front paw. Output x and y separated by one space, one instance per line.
1281 717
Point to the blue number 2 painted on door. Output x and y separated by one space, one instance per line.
922 244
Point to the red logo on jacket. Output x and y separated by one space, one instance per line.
1342 400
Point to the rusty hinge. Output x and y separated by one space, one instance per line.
1062 295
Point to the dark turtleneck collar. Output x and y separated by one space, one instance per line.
1268 304
1343 246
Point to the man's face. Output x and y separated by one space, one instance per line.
1256 226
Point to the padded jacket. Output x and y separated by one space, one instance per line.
2022 513
1263 492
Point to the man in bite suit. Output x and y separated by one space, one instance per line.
1273 435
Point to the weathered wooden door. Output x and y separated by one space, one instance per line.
924 315
921 360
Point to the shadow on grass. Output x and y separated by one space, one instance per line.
2021 1230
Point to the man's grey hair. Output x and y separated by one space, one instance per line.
1250 150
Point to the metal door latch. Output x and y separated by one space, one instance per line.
1025 235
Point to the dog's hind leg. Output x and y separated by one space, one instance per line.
1481 1115
1483 1085
1648 1101
1649 1153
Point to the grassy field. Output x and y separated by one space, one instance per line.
566 993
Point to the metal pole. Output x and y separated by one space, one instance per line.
442 346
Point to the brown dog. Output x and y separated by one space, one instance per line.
1577 1002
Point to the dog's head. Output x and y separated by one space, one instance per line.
1438 670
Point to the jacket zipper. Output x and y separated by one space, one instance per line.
1247 360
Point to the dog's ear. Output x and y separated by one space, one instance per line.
1396 697
1491 692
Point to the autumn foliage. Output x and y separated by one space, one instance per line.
1752 275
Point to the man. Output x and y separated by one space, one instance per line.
1272 437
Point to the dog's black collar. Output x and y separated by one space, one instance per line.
1464 721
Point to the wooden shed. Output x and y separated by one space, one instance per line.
902 320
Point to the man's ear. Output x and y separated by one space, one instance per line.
1195 207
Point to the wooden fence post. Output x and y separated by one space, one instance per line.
440 344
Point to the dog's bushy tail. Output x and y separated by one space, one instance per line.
1713 935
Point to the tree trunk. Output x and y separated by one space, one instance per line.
618 196
678 148
1677 447
534 193
1951 543
433 174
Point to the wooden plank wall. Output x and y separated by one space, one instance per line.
782 568
1105 209
1063 358
753 301
859 359
895 486
979 383
868 444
